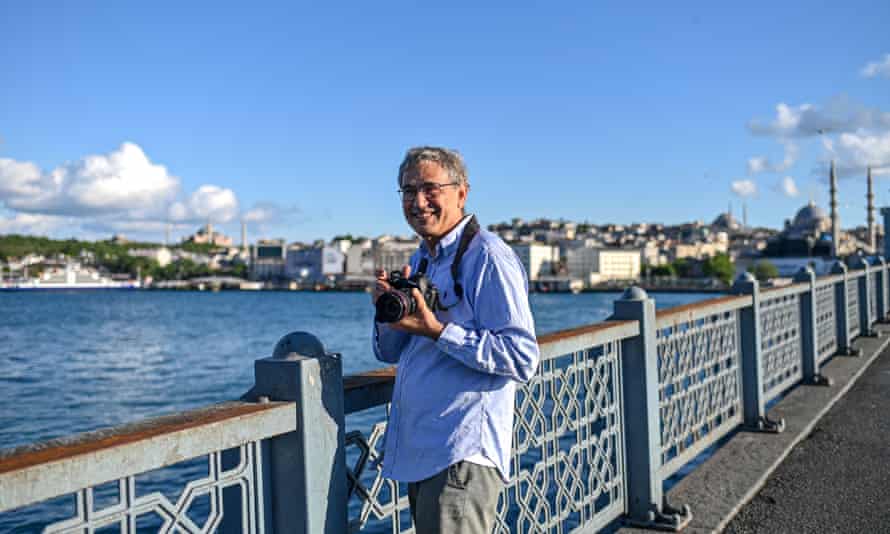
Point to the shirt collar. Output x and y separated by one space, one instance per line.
449 242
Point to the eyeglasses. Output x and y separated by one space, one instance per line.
429 189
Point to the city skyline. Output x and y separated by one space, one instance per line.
124 118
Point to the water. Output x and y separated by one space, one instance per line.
76 361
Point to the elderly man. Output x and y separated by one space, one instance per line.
450 426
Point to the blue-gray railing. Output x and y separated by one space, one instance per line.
614 411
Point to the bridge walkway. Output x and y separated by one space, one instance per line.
838 478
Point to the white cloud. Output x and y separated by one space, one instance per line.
121 191
18 178
29 223
877 68
207 203
123 180
853 152
759 164
839 115
744 188
789 188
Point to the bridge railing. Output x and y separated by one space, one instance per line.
614 411
99 470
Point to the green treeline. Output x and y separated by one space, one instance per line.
113 257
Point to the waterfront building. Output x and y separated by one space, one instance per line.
360 260
268 260
314 264
537 258
596 265
391 253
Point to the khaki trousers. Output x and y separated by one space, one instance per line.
462 499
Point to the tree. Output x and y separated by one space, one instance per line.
682 268
720 267
763 270
663 270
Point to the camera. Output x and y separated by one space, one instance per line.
395 304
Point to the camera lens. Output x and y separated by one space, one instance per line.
393 305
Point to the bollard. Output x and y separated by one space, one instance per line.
307 466
753 402
647 506
809 334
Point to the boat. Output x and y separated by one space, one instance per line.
71 276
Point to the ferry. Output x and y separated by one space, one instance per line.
71 276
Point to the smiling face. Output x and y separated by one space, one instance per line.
433 216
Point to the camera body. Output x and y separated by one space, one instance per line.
395 304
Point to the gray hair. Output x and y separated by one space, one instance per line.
448 159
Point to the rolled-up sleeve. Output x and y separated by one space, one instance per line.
502 340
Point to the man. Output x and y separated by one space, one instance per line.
451 420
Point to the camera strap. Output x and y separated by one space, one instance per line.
466 236
470 231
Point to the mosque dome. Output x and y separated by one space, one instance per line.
810 216
727 221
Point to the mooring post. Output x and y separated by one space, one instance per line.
307 466
639 372
753 401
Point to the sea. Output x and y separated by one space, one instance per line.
75 361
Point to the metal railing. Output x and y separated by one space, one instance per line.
614 410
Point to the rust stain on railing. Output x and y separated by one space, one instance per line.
688 310
560 335
89 442
369 378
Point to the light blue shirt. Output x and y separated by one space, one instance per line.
454 397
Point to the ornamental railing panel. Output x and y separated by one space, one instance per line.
780 342
699 391
853 328
568 466
826 323
187 473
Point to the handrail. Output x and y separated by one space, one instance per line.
41 471
698 310
374 388
783 291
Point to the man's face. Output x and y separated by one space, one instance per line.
434 213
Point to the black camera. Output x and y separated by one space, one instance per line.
395 304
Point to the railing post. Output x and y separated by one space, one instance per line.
865 293
880 270
753 402
308 466
809 334
642 419
841 307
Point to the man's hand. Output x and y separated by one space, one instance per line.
423 321
381 285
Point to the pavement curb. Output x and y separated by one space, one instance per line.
718 488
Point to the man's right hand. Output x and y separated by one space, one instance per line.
381 284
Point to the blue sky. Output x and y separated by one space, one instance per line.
116 116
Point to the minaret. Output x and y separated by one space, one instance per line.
835 223
744 214
244 238
870 198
